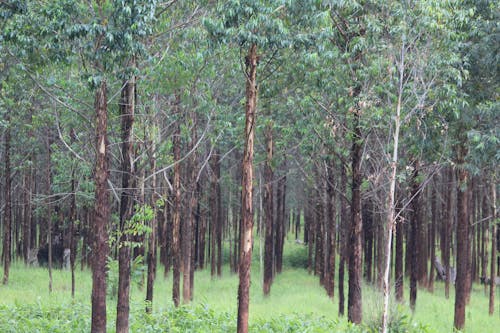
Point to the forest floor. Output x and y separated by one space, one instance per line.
295 295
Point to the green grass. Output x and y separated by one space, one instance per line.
297 303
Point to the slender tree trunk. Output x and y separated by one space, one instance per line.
219 221
8 203
354 302
152 236
462 245
414 247
332 235
343 237
246 192
391 203
101 215
49 208
268 210
176 214
447 232
494 244
73 216
434 217
127 110
280 222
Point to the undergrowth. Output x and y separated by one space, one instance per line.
75 317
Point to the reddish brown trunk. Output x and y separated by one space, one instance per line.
343 237
494 248
151 260
354 302
101 215
330 220
72 246
448 222
280 223
8 203
414 247
268 211
434 214
176 214
246 192
49 209
127 110
462 247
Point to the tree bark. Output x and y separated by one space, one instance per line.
127 110
343 237
246 192
101 215
494 245
268 211
462 246
354 302
8 202
176 214
414 247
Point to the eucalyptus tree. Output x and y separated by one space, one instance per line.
258 28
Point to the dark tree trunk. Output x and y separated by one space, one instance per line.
187 228
343 236
219 219
49 208
332 235
494 248
73 217
434 218
368 227
448 222
101 215
462 245
246 192
127 113
268 211
399 272
415 222
151 260
176 214
354 302
8 203
280 222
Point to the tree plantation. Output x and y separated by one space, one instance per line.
249 166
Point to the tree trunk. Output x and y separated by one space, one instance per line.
354 302
414 247
343 236
49 208
332 235
73 217
101 215
280 222
268 211
462 245
434 217
151 260
176 214
127 110
494 245
246 192
8 203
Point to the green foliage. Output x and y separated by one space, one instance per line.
137 270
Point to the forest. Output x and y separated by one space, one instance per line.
249 165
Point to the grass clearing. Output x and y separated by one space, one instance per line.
297 303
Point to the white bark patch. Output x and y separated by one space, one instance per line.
102 147
248 241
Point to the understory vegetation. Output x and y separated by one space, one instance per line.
297 304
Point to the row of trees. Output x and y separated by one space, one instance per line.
364 122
